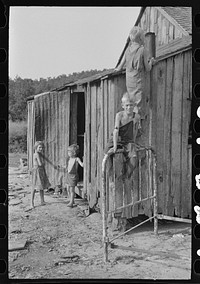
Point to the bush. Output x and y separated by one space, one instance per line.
18 136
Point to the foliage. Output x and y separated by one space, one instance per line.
17 136
20 89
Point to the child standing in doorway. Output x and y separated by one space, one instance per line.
39 177
136 60
72 171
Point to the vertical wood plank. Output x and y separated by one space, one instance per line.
159 32
98 133
118 182
171 32
105 113
160 130
167 31
85 169
189 209
89 141
102 139
51 127
168 208
176 133
57 138
111 107
184 136
154 95
93 145
73 118
164 31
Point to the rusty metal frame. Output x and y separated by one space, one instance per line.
151 159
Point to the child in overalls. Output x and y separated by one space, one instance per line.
72 171
124 134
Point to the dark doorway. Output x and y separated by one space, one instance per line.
80 130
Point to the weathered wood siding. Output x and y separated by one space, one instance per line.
30 132
103 102
153 20
52 114
172 87
168 93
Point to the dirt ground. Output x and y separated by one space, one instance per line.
62 243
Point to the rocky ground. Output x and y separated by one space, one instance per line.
58 242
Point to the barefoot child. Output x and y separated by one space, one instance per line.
125 132
72 171
39 177
137 63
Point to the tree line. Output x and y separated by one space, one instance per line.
20 89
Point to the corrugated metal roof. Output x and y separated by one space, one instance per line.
182 15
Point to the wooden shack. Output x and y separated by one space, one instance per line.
84 112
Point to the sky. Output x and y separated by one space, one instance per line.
51 41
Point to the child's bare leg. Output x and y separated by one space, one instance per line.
65 192
72 194
42 197
32 197
68 191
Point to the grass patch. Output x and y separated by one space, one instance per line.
14 159
17 136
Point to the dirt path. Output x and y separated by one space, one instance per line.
62 243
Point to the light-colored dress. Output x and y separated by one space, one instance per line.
135 68
39 177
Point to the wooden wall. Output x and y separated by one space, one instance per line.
103 100
152 20
168 93
172 94
102 103
30 132
52 114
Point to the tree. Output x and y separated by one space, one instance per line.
20 89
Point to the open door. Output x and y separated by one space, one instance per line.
80 129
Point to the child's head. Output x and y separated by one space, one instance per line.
137 34
127 103
39 146
73 150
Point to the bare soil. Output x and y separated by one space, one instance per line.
62 243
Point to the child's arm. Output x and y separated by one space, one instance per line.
148 65
79 161
116 131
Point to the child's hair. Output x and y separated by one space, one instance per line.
126 97
37 143
137 34
74 148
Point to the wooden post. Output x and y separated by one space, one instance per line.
150 43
